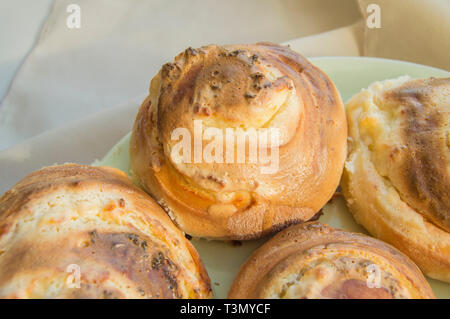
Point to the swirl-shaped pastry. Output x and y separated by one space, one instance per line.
241 87
75 231
397 174
315 261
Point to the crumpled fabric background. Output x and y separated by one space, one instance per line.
72 73
411 30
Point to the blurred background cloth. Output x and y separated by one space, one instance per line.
411 30
73 73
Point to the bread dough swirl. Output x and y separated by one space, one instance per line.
397 174
241 87
74 231
315 261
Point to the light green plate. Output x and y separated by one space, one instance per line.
350 75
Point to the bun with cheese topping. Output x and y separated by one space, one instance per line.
240 87
396 180
315 261
74 231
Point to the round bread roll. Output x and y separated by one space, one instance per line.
242 88
315 261
73 231
397 175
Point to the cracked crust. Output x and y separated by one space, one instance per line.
66 218
396 179
241 86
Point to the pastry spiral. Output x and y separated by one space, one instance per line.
241 87
315 261
73 231
397 175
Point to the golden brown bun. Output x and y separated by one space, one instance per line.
312 260
241 86
397 174
64 217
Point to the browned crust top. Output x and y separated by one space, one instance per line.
421 169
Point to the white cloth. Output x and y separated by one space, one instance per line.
410 30
72 73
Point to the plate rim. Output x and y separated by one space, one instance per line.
369 58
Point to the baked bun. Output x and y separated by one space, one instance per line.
74 231
241 87
397 174
312 260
